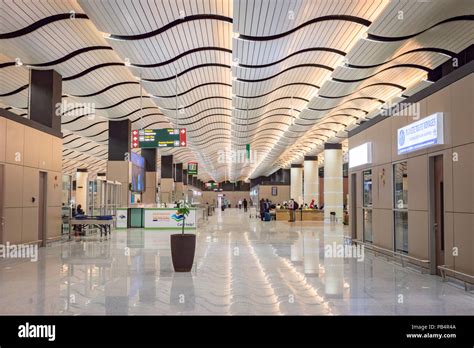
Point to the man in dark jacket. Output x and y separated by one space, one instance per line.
262 209
245 204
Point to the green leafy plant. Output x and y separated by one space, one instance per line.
183 209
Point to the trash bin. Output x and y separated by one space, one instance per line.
333 216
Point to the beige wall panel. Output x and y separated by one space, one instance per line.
54 189
448 239
382 228
53 216
384 184
448 179
30 225
283 193
3 136
13 225
441 101
463 179
30 187
462 96
57 154
418 234
15 142
464 240
418 183
45 155
32 140
381 150
13 186
118 171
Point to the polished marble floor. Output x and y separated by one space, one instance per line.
242 266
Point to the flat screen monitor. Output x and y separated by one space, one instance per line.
137 174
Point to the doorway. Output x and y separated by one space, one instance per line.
353 206
2 214
42 204
436 213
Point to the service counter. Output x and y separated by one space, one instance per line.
154 218
305 215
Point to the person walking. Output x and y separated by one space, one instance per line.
245 204
240 204
262 209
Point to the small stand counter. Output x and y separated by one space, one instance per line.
306 215
156 218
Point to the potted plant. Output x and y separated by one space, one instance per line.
183 244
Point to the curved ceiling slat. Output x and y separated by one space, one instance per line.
283 76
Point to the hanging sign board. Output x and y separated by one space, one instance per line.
192 168
154 138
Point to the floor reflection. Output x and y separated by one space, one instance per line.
242 266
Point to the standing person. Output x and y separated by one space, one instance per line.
245 204
291 205
262 209
251 202
240 204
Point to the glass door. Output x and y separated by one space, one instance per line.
367 205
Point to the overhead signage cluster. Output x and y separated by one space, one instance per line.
155 138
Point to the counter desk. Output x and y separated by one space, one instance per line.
308 215
156 218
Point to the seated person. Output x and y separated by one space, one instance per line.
311 205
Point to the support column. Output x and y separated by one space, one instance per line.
333 190
82 177
185 185
311 179
167 182
296 183
149 196
45 98
119 153
178 181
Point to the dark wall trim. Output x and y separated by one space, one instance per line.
310 158
296 165
119 139
331 146
29 123
150 159
81 170
167 167
443 82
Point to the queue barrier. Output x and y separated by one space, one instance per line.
445 269
394 255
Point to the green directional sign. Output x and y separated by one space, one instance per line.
247 148
192 168
153 138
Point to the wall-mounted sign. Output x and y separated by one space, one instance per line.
192 168
421 134
360 155
274 191
153 138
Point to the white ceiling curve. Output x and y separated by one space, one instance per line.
284 76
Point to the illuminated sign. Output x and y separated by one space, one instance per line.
153 138
421 134
360 155
192 168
